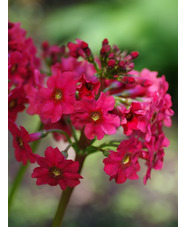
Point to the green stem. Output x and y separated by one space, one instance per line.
60 131
16 184
19 177
65 197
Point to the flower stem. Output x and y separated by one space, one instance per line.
65 197
16 184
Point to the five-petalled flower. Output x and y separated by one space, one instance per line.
54 169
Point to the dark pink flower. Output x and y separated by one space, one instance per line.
123 164
133 118
88 87
95 117
16 37
21 138
155 154
52 54
32 91
75 49
75 66
16 102
59 97
54 169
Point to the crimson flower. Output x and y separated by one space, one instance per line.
88 87
124 163
59 97
16 101
21 138
155 154
54 169
133 118
95 116
75 49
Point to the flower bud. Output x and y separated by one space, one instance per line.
105 42
45 45
37 135
111 63
134 54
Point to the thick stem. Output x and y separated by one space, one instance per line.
65 197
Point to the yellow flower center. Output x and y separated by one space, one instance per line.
56 172
14 67
126 159
12 103
95 116
57 95
20 142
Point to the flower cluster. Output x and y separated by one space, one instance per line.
92 95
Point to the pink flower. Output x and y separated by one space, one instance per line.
16 37
16 102
95 117
75 49
155 154
32 91
59 97
54 169
133 118
75 66
21 139
52 54
124 163
88 87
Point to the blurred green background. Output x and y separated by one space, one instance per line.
151 28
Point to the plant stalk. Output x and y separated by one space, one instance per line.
65 197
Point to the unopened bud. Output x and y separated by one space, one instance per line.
111 55
37 135
45 45
85 48
129 80
122 64
105 42
134 54
111 63
131 66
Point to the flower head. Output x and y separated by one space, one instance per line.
21 138
55 169
16 101
59 97
95 116
124 163
88 87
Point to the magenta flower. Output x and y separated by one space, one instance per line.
88 87
54 169
95 116
21 138
59 97
133 118
155 154
124 163
75 49
16 102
